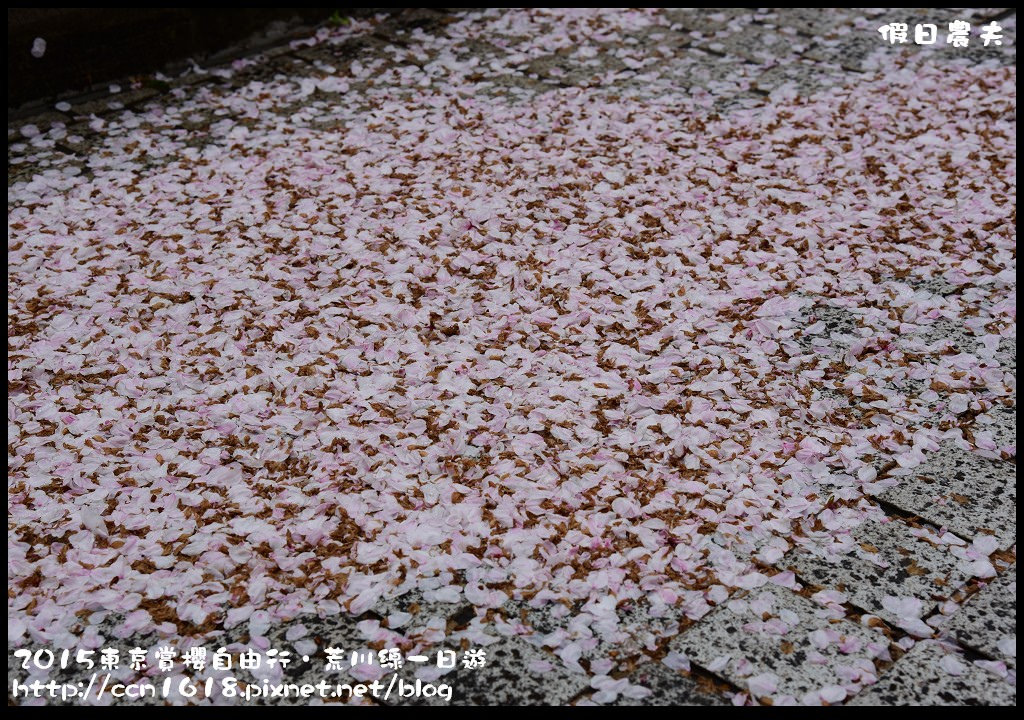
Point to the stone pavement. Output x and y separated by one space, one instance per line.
916 605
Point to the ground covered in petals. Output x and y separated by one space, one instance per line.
438 320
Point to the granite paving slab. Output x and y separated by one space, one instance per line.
670 687
774 641
963 491
880 561
919 678
987 622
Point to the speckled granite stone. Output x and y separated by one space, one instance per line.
515 673
965 492
749 644
917 678
669 687
886 559
989 619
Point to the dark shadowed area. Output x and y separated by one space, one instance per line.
85 46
